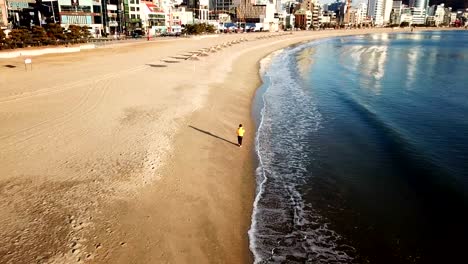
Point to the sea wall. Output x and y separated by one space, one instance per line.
38 52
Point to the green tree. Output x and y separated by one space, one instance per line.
85 34
55 32
20 38
3 40
199 29
73 33
39 36
209 28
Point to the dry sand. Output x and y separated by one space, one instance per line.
126 154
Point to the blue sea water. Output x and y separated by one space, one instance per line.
363 151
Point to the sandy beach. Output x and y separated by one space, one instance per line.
126 154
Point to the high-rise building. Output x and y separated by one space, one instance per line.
113 19
418 10
335 6
380 11
376 11
346 12
313 6
396 12
258 11
442 15
132 14
361 13
396 6
387 11
423 4
200 9
223 6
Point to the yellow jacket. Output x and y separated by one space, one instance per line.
240 131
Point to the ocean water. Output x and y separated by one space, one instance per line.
362 145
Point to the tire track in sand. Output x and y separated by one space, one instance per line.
52 124
61 88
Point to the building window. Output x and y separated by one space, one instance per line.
138 16
137 1
132 1
137 9
132 8
67 8
132 16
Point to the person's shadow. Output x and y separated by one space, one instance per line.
213 135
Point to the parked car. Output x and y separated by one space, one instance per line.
170 34
138 33
230 27
250 27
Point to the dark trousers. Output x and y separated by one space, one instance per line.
239 140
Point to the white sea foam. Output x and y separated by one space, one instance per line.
306 237
266 62
261 179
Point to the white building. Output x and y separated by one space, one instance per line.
440 17
82 13
395 18
202 14
380 11
419 8
422 4
289 21
134 11
387 11
361 13
376 11
183 17
324 19
269 21
153 18
316 11
419 16
406 15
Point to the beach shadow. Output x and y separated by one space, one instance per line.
180 57
9 66
169 61
213 135
157 65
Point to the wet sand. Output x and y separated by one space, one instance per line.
126 154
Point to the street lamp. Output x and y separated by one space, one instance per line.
53 11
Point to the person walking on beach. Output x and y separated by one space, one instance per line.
240 135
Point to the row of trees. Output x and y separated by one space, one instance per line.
51 34
196 29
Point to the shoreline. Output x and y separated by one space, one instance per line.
365 250
155 166
246 70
